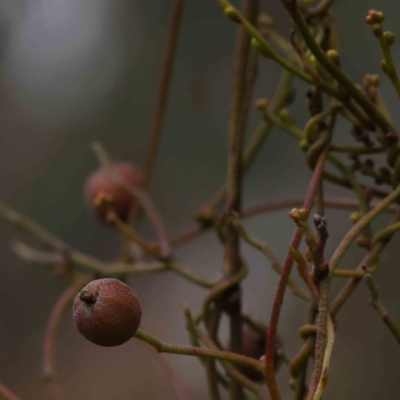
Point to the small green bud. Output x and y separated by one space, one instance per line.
371 80
389 37
298 214
355 217
314 62
265 21
303 144
285 116
232 14
261 104
377 30
334 56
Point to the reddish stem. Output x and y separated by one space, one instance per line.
163 90
280 293
6 393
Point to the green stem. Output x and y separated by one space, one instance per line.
163 347
269 52
389 66
377 304
321 8
270 255
359 226
233 372
340 76
260 135
386 233
358 189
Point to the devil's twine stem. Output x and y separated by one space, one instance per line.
287 267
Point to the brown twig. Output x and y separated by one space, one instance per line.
50 336
175 380
287 267
232 261
271 206
163 90
379 307
6 393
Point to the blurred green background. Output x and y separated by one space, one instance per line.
74 71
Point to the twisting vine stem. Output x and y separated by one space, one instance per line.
280 292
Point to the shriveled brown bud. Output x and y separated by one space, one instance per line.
107 312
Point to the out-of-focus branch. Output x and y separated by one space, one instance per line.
6 393
163 90
50 336
379 307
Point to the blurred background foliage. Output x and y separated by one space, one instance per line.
73 71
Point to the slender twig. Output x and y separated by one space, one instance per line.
260 135
186 236
163 90
212 374
359 226
234 372
125 229
232 261
104 269
32 227
322 7
386 40
306 330
223 287
176 381
327 357
195 342
321 339
141 195
297 133
370 262
386 233
269 52
6 393
173 377
287 267
50 336
379 307
316 248
340 204
270 255
163 347
271 206
304 274
340 76
298 362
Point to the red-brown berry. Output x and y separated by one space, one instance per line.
107 312
100 183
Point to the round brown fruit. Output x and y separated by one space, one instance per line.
99 182
107 312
